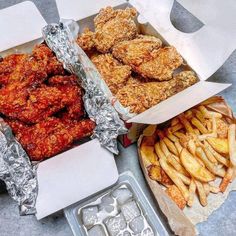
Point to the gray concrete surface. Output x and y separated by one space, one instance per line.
221 222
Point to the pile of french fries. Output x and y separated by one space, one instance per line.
187 157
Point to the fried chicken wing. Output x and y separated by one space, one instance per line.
86 40
24 97
146 57
8 65
113 26
50 137
140 97
112 71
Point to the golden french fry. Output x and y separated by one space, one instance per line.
174 121
179 134
232 143
199 125
174 193
194 168
200 116
178 147
206 188
177 181
209 114
219 144
186 123
192 190
175 128
154 172
150 130
188 114
159 152
197 132
209 154
227 179
172 137
166 151
201 193
209 165
191 147
184 178
147 151
170 146
218 157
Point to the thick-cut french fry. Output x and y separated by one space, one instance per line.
172 137
184 178
167 153
170 146
191 146
150 130
174 121
218 157
192 190
147 151
206 188
232 143
219 144
209 154
178 147
201 193
227 179
188 114
214 189
176 165
186 123
209 114
179 134
178 182
199 116
194 168
209 165
175 128
199 125
159 152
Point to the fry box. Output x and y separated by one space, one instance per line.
183 222
204 51
72 175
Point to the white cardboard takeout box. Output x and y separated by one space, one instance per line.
78 172
205 50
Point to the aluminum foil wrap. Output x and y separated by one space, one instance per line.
61 39
16 171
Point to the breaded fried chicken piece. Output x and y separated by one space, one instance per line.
112 71
136 51
140 97
51 136
146 57
113 26
86 40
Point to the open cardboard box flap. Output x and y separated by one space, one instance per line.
205 50
76 173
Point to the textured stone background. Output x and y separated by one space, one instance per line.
220 223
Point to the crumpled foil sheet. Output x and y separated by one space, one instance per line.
61 39
17 172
